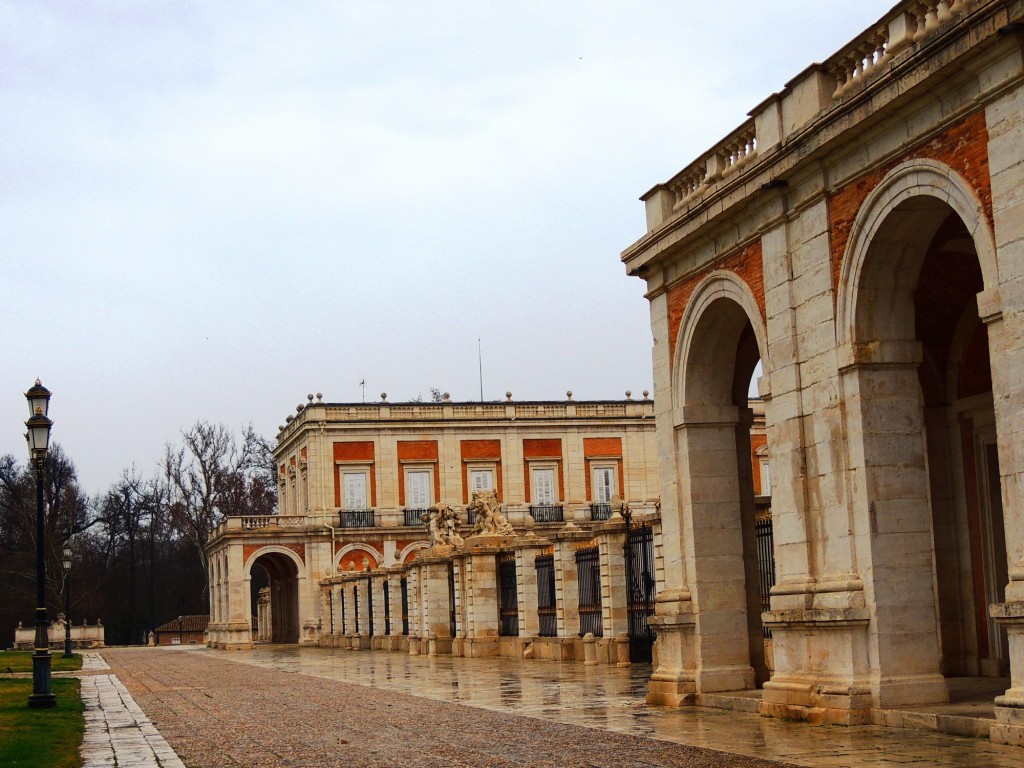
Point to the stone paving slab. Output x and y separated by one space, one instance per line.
117 732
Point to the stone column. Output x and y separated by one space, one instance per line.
482 610
1000 307
434 602
238 630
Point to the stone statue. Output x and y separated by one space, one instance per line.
489 519
442 524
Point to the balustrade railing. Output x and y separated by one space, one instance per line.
411 515
356 518
600 511
546 513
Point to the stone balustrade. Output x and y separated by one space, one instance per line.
806 97
83 635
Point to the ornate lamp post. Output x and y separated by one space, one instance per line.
67 599
38 442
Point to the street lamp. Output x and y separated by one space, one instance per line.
67 599
38 437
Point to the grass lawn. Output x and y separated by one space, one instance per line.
40 738
21 661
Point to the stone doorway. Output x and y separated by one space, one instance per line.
278 572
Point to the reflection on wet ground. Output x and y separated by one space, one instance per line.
613 698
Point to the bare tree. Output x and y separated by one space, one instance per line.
211 476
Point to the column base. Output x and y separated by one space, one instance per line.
1009 725
815 703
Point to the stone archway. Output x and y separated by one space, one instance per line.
721 341
283 570
916 378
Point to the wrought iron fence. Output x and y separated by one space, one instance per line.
640 590
451 599
546 513
412 516
546 615
588 569
766 562
600 511
369 604
356 518
344 629
387 607
508 608
405 606
355 603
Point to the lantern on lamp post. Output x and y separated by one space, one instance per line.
66 562
38 437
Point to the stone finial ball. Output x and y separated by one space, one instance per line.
289 419
310 397
646 394
319 396
383 396
508 395
629 393
298 408
447 396
568 394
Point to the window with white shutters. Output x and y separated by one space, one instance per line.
354 484
604 484
544 486
481 480
417 488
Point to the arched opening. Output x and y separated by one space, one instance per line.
924 386
279 573
719 355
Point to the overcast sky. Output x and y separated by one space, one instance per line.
209 209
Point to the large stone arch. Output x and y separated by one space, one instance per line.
721 338
907 460
919 178
717 286
286 572
375 557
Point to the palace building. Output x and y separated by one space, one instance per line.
861 235
347 560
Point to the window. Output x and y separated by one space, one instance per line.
544 490
354 485
481 480
766 478
604 484
417 488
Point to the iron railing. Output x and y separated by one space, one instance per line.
405 606
546 513
411 515
766 562
588 570
452 625
369 604
387 608
640 591
344 629
508 609
601 511
355 602
355 518
546 615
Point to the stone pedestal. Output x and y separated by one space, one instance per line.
435 605
1009 725
673 682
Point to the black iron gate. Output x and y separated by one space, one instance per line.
766 561
344 630
387 607
452 624
405 606
369 603
508 589
546 615
588 570
355 602
640 590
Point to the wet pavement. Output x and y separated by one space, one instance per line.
612 699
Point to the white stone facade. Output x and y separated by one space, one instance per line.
862 236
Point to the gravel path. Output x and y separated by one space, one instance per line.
217 714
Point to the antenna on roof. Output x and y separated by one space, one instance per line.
362 385
480 359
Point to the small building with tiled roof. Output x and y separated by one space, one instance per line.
184 630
